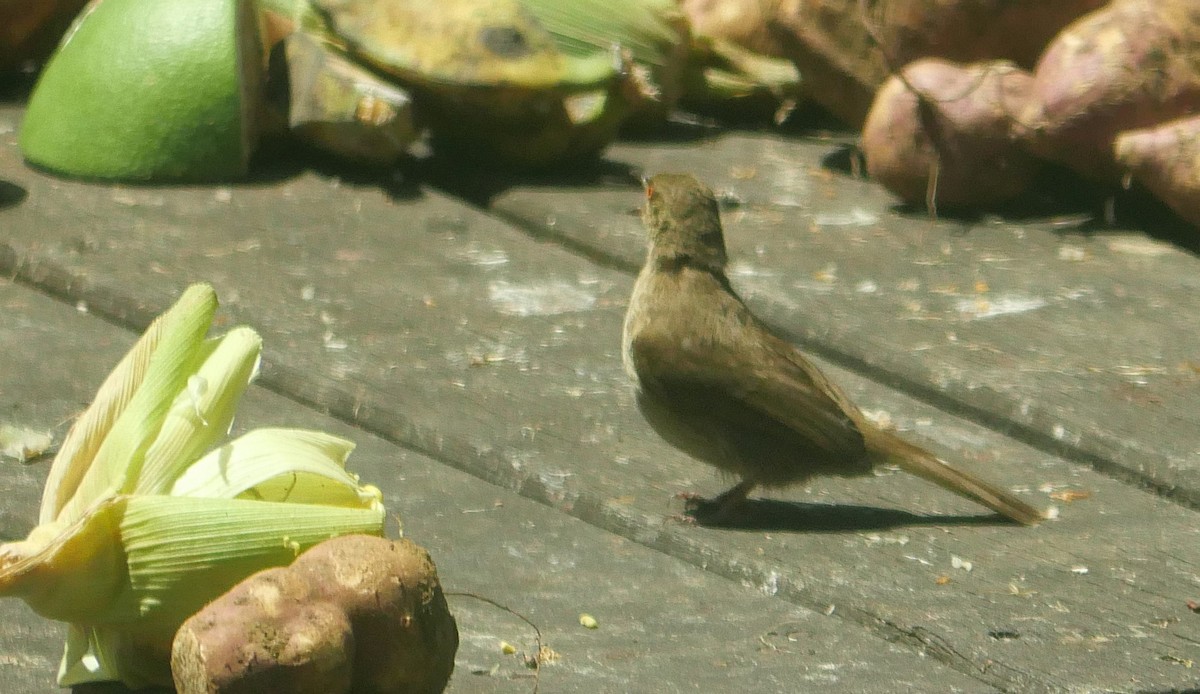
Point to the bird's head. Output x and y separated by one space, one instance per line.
683 221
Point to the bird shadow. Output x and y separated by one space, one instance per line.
480 185
796 516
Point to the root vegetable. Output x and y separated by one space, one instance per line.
1130 65
1166 161
953 147
835 44
354 614
974 30
292 645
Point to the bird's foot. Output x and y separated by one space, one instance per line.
728 508
690 499
703 511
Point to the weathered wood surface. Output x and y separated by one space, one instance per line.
1073 335
664 625
493 348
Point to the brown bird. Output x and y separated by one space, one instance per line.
718 384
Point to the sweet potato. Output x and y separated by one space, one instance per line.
1165 160
1130 65
265 637
953 147
967 31
354 614
835 44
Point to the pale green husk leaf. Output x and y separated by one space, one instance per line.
147 515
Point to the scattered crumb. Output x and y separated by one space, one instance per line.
1014 589
1137 245
547 655
23 444
880 418
826 274
1073 254
743 173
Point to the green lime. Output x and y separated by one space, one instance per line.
149 90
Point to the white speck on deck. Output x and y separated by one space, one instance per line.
856 217
539 299
979 307
484 257
771 585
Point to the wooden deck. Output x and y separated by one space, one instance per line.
464 330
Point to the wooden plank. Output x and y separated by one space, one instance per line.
436 326
1073 336
663 625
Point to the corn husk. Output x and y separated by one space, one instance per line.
147 515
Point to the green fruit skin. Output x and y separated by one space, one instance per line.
145 90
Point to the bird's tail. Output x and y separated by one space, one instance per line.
923 464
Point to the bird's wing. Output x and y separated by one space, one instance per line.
770 389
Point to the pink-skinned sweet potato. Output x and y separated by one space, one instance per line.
1165 160
968 31
265 635
953 146
355 614
1129 65
835 44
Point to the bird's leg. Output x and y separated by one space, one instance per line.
722 509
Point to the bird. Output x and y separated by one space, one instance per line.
715 382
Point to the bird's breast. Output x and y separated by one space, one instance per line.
636 317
